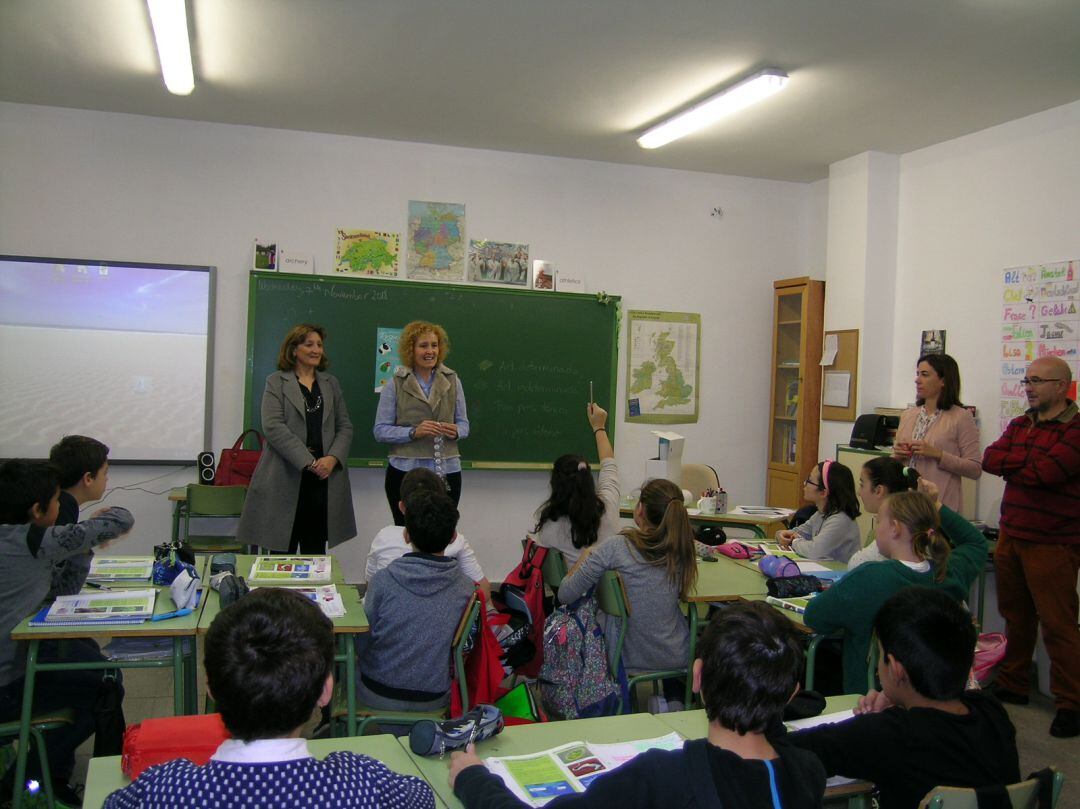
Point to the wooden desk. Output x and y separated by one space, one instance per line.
523 739
183 664
105 776
761 527
354 622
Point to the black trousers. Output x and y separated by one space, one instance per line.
309 529
54 690
392 485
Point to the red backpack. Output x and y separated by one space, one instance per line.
522 596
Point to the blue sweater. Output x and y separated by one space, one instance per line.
341 780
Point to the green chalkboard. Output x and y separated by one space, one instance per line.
525 358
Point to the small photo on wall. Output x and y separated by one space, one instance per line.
933 342
265 256
499 262
544 275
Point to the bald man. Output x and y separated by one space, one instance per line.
1038 552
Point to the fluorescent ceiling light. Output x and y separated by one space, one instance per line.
737 97
169 18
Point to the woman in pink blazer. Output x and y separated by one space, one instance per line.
938 436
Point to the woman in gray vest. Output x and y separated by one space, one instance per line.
421 413
299 498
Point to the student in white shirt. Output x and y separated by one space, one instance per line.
389 544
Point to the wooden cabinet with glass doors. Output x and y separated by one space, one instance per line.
795 412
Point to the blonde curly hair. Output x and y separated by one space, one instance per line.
413 332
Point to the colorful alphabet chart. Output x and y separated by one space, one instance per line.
1040 317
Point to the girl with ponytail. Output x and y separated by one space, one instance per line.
659 568
913 535
579 513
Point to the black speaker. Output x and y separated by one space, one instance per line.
206 467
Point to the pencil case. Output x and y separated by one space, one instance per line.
155 741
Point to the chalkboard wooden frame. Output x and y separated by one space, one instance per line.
507 345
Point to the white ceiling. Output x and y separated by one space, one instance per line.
573 78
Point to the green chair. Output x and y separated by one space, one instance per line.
1024 795
371 716
811 660
38 724
553 569
611 597
213 502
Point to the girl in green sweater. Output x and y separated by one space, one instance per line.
913 534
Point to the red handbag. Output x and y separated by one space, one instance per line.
237 465
155 741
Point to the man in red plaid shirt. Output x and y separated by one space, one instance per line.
1038 552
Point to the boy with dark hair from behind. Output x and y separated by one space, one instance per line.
923 729
269 661
750 664
29 547
389 544
414 606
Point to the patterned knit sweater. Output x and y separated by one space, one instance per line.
341 780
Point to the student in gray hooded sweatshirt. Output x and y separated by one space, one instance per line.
414 606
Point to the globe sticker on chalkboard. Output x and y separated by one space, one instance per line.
386 343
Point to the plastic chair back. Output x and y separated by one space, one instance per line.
554 568
697 477
215 501
1024 795
206 502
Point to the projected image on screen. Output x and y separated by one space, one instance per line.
117 352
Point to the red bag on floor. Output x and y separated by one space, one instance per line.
155 741
483 671
236 465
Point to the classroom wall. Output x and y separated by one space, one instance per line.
111 186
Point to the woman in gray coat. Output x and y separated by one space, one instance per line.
299 498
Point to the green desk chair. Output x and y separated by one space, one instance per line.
371 716
38 724
811 659
1024 795
611 597
553 569
213 502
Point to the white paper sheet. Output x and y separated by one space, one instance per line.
832 346
836 389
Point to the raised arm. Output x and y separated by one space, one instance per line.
598 422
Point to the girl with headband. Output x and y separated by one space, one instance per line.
579 513
831 533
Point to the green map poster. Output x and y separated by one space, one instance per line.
663 367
